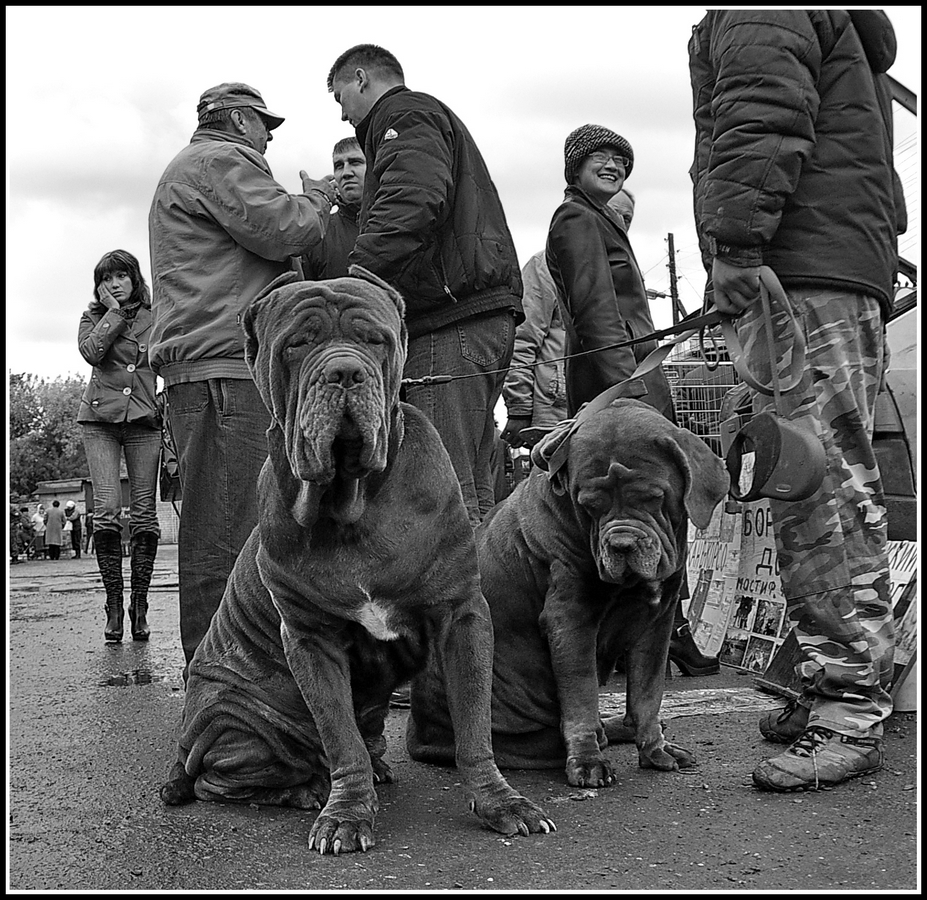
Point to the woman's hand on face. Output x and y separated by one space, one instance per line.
106 298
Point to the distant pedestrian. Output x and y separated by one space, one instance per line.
119 418
25 532
88 531
39 550
72 513
14 534
54 530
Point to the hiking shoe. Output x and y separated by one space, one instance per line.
786 724
819 758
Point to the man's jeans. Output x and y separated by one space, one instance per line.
462 411
104 443
219 430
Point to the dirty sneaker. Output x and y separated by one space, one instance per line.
784 725
819 758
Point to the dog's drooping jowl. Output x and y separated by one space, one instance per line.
362 567
581 566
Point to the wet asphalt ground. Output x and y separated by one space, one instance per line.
91 738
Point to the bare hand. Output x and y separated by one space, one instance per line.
326 185
106 297
735 289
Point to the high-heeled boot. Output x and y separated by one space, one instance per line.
685 652
144 550
108 547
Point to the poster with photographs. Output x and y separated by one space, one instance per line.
758 622
902 564
713 561
737 609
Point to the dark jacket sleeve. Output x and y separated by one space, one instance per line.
414 171
765 104
94 339
577 246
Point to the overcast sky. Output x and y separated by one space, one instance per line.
99 100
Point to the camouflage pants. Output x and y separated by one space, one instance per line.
832 546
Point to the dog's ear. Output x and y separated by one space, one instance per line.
707 480
550 453
356 271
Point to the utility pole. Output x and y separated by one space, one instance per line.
678 311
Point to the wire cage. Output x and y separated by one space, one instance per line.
699 388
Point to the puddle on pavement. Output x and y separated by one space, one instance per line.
138 676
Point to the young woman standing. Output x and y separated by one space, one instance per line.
118 416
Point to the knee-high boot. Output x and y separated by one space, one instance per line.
108 547
144 551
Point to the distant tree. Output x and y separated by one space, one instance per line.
45 439
24 405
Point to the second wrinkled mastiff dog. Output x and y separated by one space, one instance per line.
580 566
362 566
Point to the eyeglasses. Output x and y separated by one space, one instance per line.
601 158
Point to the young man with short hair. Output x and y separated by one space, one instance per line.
432 225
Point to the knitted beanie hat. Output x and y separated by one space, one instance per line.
587 139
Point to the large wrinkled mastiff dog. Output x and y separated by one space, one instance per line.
362 566
582 565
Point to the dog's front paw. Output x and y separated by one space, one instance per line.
332 835
342 827
666 757
592 772
512 814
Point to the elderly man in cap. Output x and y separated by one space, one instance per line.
221 229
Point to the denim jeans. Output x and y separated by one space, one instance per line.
462 411
104 444
219 430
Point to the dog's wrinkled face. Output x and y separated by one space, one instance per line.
636 476
327 358
634 505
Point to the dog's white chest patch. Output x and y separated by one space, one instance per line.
374 618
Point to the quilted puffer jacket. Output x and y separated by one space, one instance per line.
793 157
432 223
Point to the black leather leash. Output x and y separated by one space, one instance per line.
688 326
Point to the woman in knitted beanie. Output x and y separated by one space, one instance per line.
602 296
597 277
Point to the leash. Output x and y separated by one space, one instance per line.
688 326
769 284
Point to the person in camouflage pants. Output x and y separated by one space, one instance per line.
833 562
794 170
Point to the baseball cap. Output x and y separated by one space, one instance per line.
233 95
